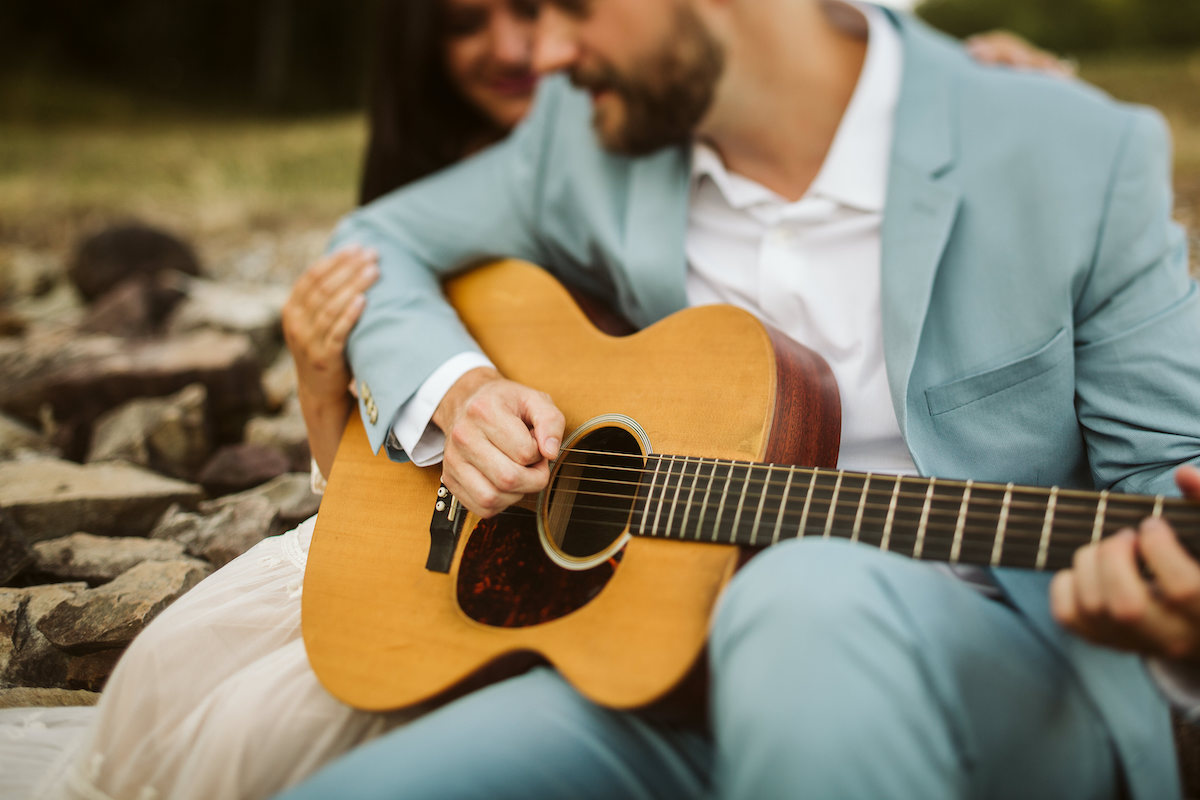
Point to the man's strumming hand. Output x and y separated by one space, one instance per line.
500 438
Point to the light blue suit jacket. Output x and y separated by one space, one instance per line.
1039 323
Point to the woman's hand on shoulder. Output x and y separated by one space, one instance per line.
322 308
1005 49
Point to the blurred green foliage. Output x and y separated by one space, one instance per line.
1075 26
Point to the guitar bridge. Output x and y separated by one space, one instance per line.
444 530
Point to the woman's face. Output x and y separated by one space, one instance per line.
488 48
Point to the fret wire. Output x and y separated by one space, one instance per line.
837 487
891 515
1179 506
919 547
704 506
862 503
1002 525
1183 518
649 497
1044 543
737 517
1098 528
961 524
721 508
782 505
662 496
687 510
812 483
758 514
675 497
1158 506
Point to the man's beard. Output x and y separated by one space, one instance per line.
666 96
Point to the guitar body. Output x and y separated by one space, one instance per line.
383 632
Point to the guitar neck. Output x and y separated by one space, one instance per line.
958 522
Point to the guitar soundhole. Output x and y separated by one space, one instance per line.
506 577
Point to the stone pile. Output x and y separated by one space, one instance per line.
149 433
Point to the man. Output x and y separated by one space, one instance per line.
986 260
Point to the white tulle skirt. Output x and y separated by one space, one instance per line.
215 698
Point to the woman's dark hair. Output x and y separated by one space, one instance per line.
419 122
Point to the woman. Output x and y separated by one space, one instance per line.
215 698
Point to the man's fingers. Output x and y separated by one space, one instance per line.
1188 480
1085 569
475 491
1176 573
1126 594
546 422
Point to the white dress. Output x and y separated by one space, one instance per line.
215 698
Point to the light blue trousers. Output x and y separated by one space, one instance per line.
836 672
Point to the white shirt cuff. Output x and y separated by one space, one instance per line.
1179 683
316 481
412 431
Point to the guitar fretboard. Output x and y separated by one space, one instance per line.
959 522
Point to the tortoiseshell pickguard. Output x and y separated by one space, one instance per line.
506 580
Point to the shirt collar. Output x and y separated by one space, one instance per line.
855 169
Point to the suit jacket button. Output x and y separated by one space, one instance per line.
374 412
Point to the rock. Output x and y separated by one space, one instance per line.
285 433
221 533
110 616
291 495
167 434
17 439
98 559
118 253
27 658
240 466
279 381
28 697
135 307
50 498
250 310
81 378
89 672
27 273
15 553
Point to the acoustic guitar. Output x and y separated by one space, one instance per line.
690 442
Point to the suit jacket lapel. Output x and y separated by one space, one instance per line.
922 202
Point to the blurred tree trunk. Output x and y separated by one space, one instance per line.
274 51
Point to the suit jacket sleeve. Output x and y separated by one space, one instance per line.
1137 327
484 207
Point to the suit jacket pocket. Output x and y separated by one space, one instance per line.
949 396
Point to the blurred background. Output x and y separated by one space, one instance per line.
237 124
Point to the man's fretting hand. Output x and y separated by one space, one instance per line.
500 438
1105 599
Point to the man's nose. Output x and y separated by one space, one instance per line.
554 44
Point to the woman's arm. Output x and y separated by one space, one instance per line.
323 306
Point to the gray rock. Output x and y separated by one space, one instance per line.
290 494
137 306
240 466
110 616
27 697
27 658
220 534
279 381
116 254
28 273
16 439
97 559
79 379
167 434
15 553
89 671
50 498
250 310
285 433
